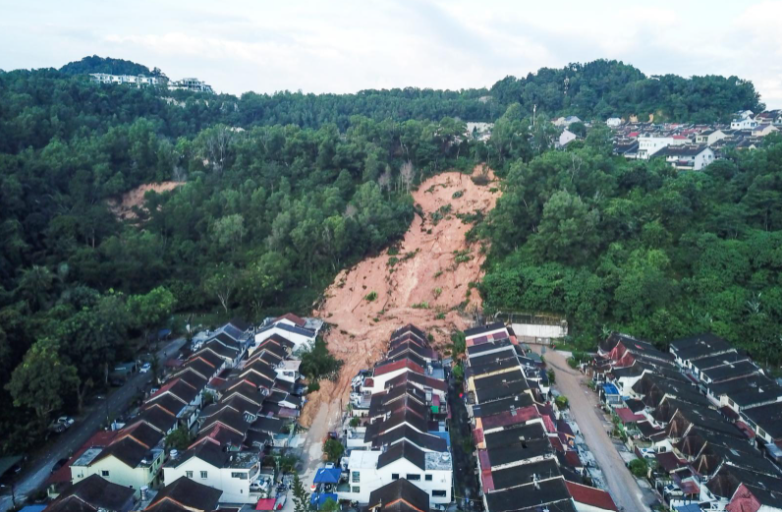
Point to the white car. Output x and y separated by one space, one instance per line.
65 420
145 367
62 424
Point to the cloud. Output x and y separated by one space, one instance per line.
348 45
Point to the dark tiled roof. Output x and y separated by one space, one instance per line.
710 362
399 491
209 452
502 405
403 450
700 345
475 331
731 371
95 492
530 495
408 328
768 417
423 440
511 436
519 451
500 386
188 493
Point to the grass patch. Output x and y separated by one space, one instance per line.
441 213
437 292
420 305
438 274
461 256
371 296
457 194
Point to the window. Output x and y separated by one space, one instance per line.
239 475
189 474
412 477
439 494
428 478
104 473
394 476
356 477
356 488
203 474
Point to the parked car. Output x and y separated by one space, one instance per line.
62 424
145 367
60 463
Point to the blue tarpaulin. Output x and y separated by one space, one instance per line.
610 389
320 498
327 476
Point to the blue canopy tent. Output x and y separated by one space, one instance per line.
319 498
327 476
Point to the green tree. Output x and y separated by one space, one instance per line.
333 449
42 380
151 309
223 283
301 499
639 468
179 439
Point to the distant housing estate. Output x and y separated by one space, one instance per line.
185 84
693 146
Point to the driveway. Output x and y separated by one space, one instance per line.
584 409
36 472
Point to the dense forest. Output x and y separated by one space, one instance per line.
638 247
263 220
279 192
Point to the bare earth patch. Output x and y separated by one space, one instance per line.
435 264
124 208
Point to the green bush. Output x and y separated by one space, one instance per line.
354 422
457 194
319 363
371 296
420 305
639 468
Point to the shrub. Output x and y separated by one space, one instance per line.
420 305
392 261
333 450
552 377
462 256
438 274
313 386
440 316
481 179
639 468
354 422
561 402
319 362
458 342
371 296
437 292
457 194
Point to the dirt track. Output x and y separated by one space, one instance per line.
426 272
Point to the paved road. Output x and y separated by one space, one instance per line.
583 407
36 473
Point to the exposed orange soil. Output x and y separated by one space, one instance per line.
361 328
124 208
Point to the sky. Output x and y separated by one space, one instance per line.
348 45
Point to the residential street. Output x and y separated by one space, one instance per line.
583 406
36 472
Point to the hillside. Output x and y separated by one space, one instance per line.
108 65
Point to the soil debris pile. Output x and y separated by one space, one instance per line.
425 280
